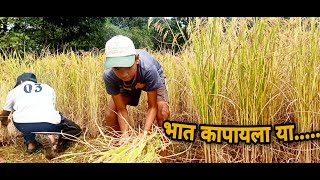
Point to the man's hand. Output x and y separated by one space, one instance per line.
152 109
4 118
124 139
5 122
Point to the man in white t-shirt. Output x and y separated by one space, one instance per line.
33 110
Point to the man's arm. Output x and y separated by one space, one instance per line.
152 109
4 117
122 111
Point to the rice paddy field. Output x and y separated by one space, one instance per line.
242 71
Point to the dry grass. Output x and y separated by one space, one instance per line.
105 149
247 71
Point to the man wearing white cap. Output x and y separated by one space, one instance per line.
127 72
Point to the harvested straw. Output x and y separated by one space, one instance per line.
133 149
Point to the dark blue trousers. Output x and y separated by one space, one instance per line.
29 130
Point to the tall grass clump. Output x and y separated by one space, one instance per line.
76 78
250 71
255 77
304 80
209 74
178 90
180 100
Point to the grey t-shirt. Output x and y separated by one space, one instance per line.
150 76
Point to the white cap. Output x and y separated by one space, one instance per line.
120 52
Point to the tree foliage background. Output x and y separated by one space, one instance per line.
57 34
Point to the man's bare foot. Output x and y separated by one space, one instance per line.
32 146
